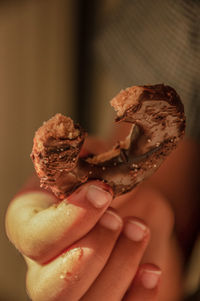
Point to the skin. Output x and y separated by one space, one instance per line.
123 249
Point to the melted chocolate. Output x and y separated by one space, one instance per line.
157 115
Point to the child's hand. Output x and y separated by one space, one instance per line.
80 249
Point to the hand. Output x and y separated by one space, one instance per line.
80 249
163 251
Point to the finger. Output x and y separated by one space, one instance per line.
41 228
162 250
145 285
152 207
123 263
70 275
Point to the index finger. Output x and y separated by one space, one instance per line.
41 228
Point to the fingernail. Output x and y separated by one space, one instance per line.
98 197
150 278
135 230
111 220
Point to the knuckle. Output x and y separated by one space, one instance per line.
32 247
33 244
31 286
55 280
35 291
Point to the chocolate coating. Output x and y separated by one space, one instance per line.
158 119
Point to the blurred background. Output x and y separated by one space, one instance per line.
44 69
72 57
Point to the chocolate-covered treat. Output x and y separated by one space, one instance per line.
158 123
